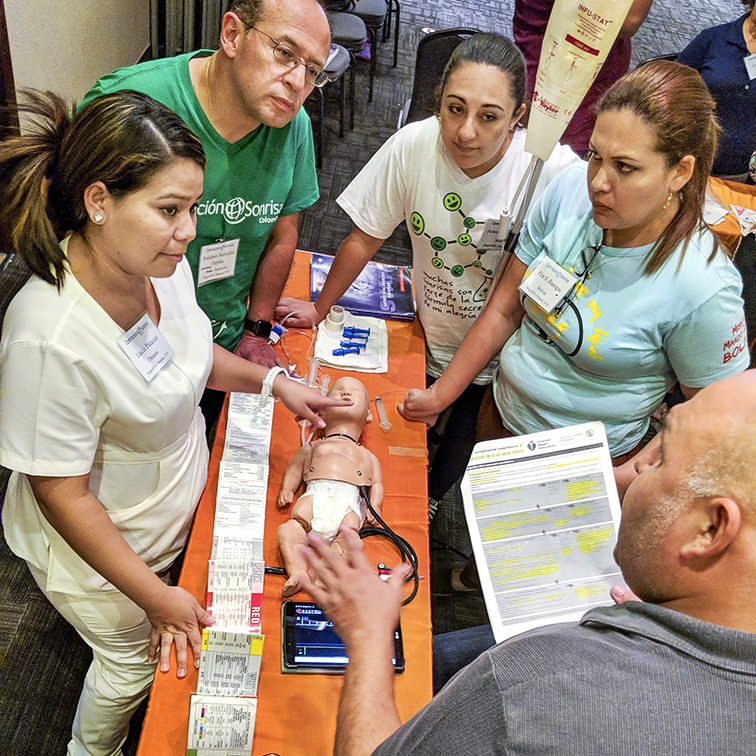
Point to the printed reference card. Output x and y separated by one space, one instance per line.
543 514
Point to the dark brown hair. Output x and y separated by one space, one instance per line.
122 139
674 100
489 49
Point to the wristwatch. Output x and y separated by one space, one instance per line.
261 328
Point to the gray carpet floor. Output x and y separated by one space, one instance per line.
42 660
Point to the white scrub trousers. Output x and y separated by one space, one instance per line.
118 632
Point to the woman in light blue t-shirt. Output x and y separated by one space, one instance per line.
656 301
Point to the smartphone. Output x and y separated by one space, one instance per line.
310 644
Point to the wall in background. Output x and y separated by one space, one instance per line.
67 46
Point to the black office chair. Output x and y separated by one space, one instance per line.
373 14
350 32
336 66
665 56
745 262
433 53
14 273
394 10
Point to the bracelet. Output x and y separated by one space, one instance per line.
267 385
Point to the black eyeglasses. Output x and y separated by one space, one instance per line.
287 57
587 256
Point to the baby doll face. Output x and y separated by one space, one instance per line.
351 388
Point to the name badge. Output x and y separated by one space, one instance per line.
217 261
547 284
146 347
750 64
490 237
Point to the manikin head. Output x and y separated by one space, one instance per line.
688 519
358 413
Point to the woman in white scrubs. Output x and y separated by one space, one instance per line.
104 356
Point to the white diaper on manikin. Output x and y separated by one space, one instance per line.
332 500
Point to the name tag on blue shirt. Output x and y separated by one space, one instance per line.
750 64
547 284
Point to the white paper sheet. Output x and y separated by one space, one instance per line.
248 430
230 662
543 514
234 595
221 726
240 511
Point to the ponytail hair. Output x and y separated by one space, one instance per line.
121 139
26 164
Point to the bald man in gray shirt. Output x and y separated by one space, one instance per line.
672 675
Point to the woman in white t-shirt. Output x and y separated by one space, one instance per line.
448 178
104 356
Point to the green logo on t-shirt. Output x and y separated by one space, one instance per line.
238 209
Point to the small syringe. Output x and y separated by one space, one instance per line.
312 375
383 422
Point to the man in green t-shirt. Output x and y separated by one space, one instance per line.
244 102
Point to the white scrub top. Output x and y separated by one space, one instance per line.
72 403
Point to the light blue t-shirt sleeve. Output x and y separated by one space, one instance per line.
711 342
561 196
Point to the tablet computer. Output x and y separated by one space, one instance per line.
310 644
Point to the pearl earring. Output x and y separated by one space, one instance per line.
98 218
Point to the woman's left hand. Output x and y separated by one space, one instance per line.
421 405
306 403
178 620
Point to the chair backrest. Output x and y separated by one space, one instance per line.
433 53
665 56
341 6
14 273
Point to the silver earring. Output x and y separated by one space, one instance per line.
98 218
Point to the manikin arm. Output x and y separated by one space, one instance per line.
293 477
376 489
353 255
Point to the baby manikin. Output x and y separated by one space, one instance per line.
333 468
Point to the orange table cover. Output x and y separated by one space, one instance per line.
296 713
732 193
